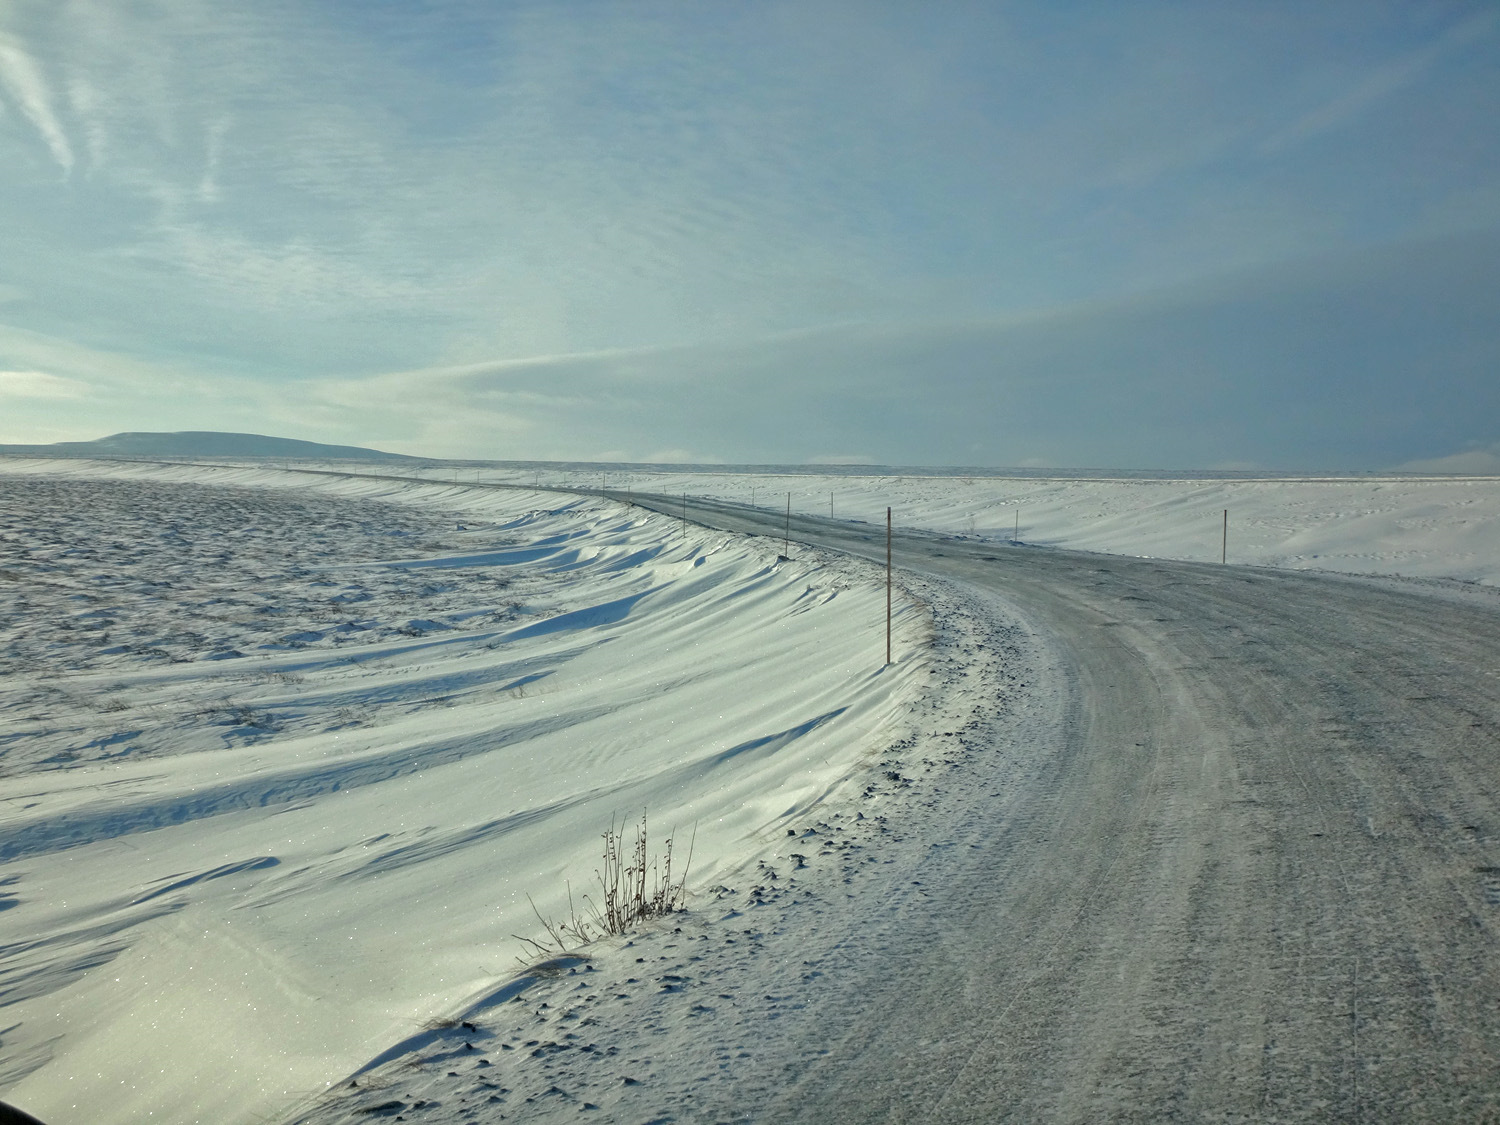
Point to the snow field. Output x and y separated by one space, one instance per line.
285 755
1422 527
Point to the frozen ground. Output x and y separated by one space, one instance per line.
285 755
1114 840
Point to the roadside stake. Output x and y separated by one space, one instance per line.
887 585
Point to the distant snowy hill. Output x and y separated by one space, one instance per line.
203 443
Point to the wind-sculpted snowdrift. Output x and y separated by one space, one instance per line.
284 755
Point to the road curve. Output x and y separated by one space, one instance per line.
1254 877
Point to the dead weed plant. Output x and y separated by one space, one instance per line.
634 887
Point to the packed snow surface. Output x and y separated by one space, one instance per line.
285 755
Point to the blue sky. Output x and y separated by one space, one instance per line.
1128 235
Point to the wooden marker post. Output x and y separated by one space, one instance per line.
1016 536
1224 546
684 515
887 585
786 542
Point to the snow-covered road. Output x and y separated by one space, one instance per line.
1256 876
1207 843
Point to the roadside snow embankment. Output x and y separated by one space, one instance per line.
1416 527
285 755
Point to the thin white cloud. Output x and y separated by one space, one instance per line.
208 186
38 384
678 457
84 100
21 76
113 376
1381 84
1473 462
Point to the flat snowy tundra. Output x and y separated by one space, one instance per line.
288 755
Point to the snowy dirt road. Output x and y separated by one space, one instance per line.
1252 873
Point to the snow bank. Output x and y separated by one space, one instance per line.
1413 526
288 753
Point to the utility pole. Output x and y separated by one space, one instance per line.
887 585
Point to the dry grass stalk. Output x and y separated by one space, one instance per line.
634 887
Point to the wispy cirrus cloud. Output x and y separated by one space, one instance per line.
24 82
1160 380
566 228
1383 82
